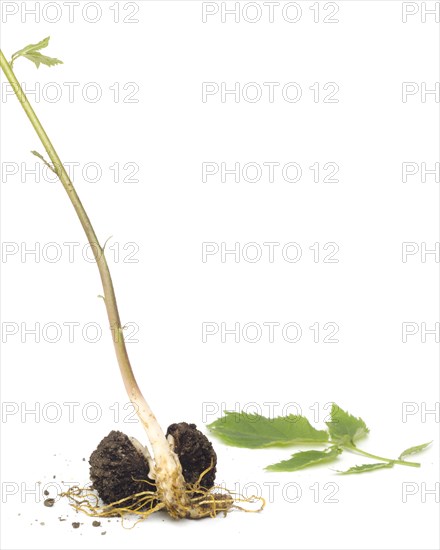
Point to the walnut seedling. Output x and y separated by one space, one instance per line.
174 478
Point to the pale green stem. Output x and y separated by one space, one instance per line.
354 449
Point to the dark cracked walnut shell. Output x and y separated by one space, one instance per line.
195 453
118 469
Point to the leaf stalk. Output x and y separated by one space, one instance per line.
355 449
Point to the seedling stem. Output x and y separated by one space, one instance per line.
167 469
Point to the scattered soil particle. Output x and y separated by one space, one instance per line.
46 492
84 459
104 532
115 465
49 502
96 524
195 453
75 524
62 519
42 523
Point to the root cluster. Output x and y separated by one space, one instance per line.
208 502
126 482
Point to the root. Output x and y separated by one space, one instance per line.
202 502
142 505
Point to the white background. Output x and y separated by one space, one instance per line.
170 292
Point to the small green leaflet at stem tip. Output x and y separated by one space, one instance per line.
345 428
254 431
366 468
31 52
414 450
304 459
